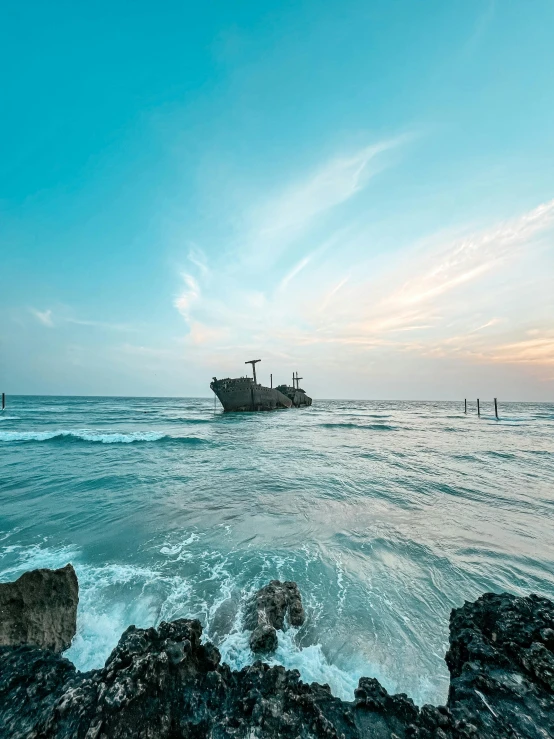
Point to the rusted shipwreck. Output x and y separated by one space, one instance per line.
247 394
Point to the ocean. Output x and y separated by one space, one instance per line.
386 514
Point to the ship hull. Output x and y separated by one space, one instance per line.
300 399
297 396
246 396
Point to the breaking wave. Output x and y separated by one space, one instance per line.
364 426
101 437
116 594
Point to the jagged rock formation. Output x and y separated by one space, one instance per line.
40 608
268 610
501 662
164 684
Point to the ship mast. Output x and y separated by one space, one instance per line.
298 378
253 363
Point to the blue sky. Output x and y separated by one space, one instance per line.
363 191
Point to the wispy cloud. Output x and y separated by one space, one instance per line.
467 259
191 294
64 317
437 295
530 351
334 183
274 224
538 351
333 291
197 257
293 272
102 324
44 317
488 324
447 288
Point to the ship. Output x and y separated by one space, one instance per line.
247 394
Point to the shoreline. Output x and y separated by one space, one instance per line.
168 683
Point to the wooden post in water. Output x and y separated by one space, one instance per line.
465 405
478 409
495 408
3 400
271 381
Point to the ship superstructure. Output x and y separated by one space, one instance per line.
247 394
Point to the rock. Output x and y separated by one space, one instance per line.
268 611
223 619
264 639
40 609
502 666
165 683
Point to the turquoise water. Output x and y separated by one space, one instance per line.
387 514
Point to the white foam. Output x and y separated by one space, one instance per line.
310 661
35 557
120 438
28 435
313 666
177 549
84 434
111 598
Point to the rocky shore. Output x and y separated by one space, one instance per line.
165 683
40 608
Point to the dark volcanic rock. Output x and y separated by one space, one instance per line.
40 609
223 619
165 684
268 610
264 639
502 666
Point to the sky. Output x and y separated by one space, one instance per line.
359 191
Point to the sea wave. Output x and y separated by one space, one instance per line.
309 660
365 426
15 559
101 437
148 595
190 421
